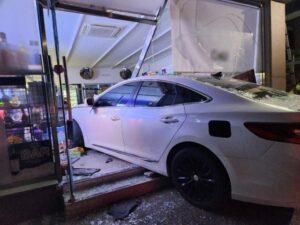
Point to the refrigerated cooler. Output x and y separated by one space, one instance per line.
25 128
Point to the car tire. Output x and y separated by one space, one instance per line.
77 139
200 178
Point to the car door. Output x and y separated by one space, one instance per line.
150 125
106 117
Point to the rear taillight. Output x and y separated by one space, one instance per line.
283 132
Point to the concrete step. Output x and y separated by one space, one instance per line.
115 180
104 178
92 198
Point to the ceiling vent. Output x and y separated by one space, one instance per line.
99 30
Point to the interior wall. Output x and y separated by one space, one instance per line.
213 36
278 45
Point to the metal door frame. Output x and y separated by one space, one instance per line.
55 5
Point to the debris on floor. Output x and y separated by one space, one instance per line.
150 174
167 207
121 210
109 159
93 159
84 171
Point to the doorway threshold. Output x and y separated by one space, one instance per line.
116 180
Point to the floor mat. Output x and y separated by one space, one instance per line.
121 210
84 171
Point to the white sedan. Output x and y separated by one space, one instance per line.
216 139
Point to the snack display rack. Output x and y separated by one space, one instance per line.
26 122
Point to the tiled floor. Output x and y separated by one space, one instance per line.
97 160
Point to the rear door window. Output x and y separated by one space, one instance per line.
185 95
156 94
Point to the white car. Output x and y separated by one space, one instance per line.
216 139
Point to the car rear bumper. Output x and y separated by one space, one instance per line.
272 179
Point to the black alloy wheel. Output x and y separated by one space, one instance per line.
199 178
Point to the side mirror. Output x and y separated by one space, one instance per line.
90 101
101 104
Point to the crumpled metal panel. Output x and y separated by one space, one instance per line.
147 8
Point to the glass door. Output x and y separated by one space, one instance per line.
26 143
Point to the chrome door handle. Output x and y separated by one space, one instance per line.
115 118
169 119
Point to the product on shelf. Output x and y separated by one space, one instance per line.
36 114
14 101
13 139
35 89
37 133
14 117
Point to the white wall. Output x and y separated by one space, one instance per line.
213 36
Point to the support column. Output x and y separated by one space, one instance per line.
275 45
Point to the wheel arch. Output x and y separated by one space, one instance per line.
200 147
75 123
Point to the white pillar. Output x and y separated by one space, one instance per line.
278 61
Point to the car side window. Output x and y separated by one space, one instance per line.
156 94
186 95
119 96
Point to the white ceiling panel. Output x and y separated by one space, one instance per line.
133 41
87 49
148 7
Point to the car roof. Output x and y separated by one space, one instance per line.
173 78
190 81
187 80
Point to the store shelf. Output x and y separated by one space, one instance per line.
22 72
22 106
31 154
23 110
14 126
